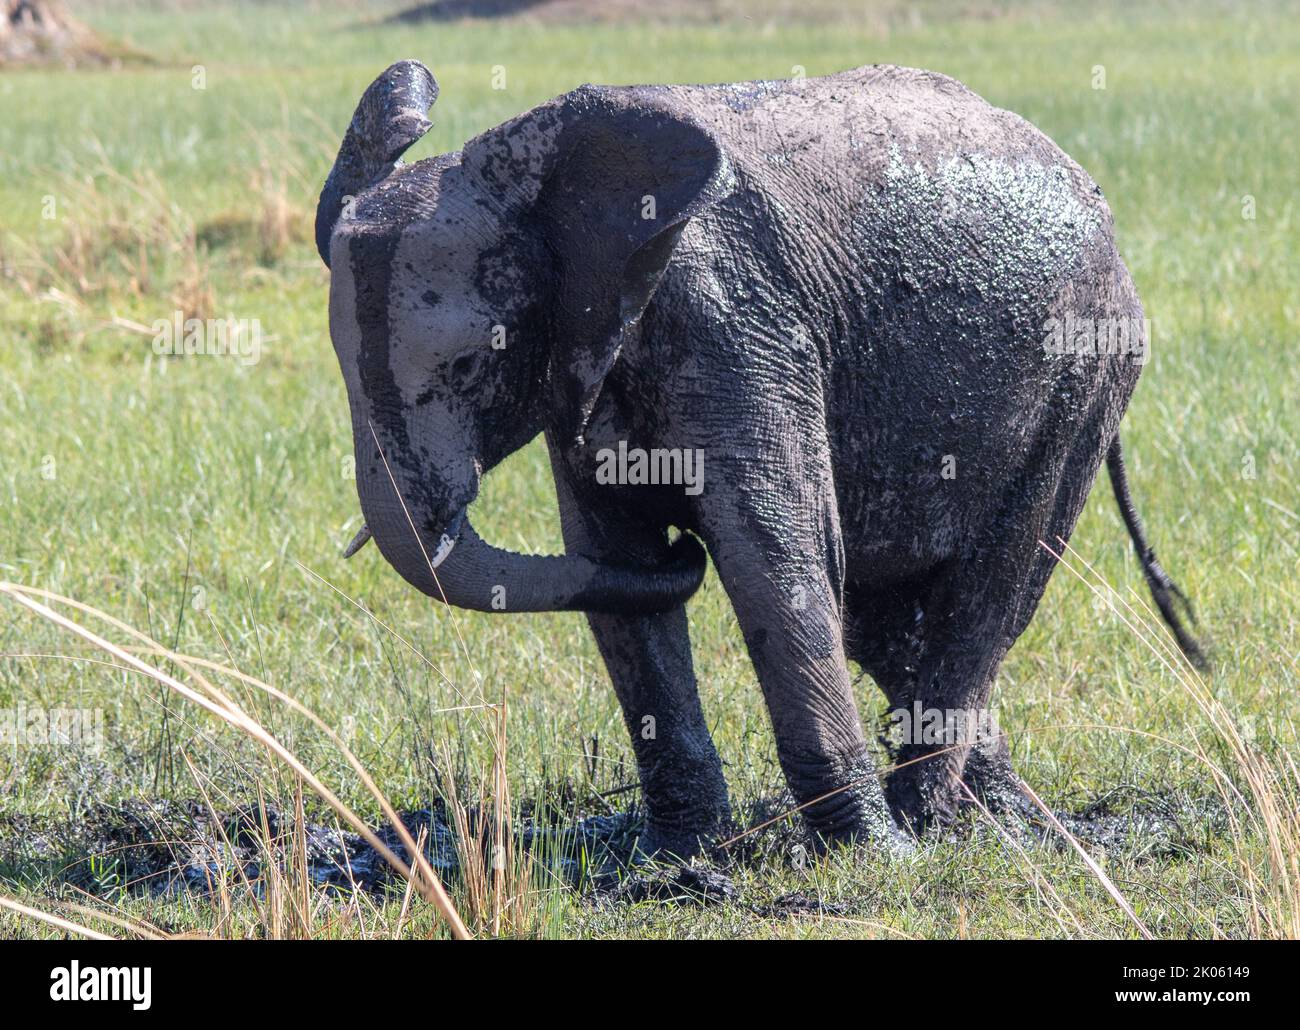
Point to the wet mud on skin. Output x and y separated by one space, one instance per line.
167 848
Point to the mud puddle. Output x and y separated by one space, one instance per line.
1126 821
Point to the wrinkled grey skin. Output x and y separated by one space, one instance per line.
840 300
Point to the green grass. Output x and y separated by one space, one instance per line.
181 495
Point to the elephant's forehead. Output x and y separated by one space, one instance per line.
436 277
435 309
438 254
394 314
411 192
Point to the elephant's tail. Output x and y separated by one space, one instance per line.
1164 591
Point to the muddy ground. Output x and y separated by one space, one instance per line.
163 847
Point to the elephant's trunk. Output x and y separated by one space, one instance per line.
460 567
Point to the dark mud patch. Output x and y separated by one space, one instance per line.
165 847
675 885
882 17
170 847
1126 821
455 10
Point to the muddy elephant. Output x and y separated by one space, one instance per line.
865 338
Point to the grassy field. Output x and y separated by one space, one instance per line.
199 499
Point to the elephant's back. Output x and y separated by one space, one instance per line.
903 182
913 244
926 240
934 225
864 120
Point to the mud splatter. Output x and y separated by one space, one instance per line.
679 885
1137 824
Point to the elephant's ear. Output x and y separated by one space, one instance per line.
389 117
626 177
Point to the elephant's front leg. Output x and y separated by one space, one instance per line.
792 630
649 662
778 553
685 795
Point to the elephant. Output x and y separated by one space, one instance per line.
840 301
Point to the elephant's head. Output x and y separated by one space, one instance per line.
481 296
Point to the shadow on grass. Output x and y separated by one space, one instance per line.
453 10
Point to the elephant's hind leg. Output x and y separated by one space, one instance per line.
943 720
978 612
887 634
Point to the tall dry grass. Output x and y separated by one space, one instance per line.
1260 792
110 235
112 239
199 690
497 888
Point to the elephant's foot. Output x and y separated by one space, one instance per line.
854 812
928 792
924 790
686 803
683 837
992 779
672 884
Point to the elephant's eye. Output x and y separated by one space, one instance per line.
466 368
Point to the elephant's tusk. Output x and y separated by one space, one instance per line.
358 541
